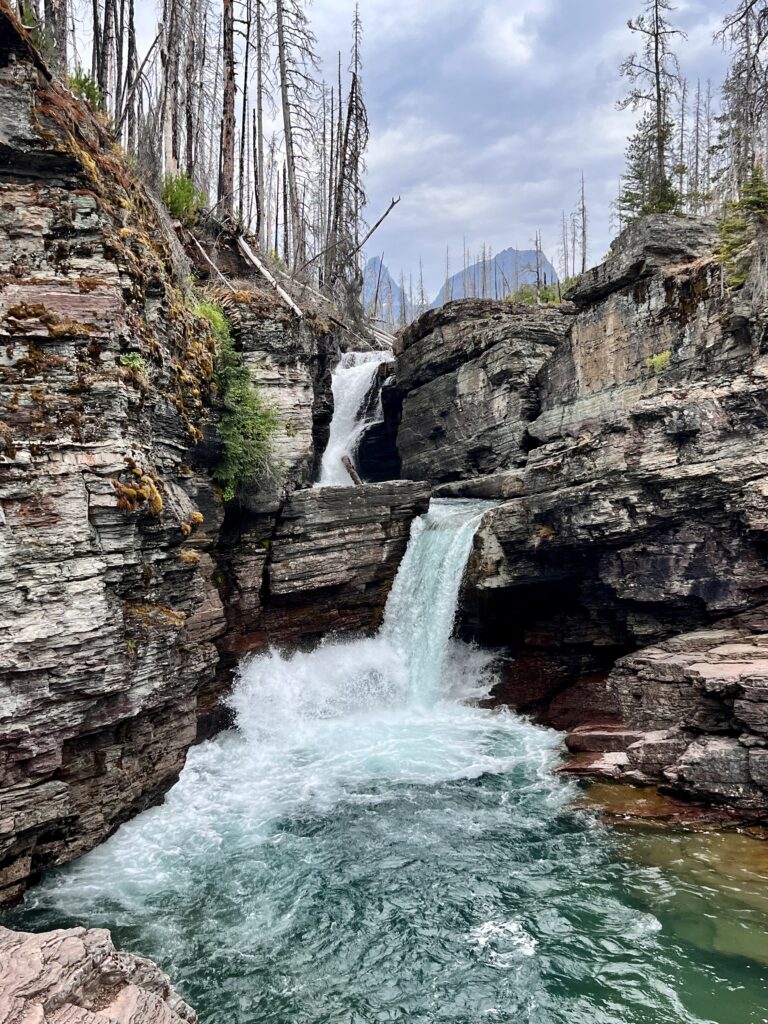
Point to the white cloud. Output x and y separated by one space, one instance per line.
509 37
411 143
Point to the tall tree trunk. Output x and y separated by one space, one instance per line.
106 51
681 155
584 225
244 117
130 78
189 107
227 178
56 19
290 152
261 198
95 40
658 58
286 225
277 215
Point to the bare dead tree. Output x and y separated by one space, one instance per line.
227 179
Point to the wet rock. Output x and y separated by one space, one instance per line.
606 766
599 737
703 697
509 484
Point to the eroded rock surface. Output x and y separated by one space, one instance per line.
641 510
630 470
466 376
76 976
327 567
127 588
700 702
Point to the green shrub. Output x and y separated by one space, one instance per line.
134 362
182 199
549 294
86 88
659 362
740 224
248 424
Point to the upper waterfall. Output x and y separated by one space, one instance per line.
352 380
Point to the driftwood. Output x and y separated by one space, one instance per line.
347 463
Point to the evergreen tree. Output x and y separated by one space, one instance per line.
654 77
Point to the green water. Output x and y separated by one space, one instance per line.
370 846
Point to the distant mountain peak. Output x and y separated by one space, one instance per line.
496 277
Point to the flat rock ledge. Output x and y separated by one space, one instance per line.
693 718
76 976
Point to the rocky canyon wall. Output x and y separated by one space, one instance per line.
624 436
127 588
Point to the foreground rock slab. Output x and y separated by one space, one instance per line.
76 976
694 720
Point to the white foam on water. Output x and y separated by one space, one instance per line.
370 844
331 725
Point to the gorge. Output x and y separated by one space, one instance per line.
302 745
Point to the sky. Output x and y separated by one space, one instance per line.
484 113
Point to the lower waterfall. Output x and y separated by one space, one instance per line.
352 381
371 845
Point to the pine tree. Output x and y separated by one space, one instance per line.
654 78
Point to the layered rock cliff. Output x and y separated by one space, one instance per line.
127 587
628 453
76 976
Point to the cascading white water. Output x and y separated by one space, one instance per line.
421 607
370 846
352 380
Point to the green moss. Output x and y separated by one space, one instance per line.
248 423
660 362
216 317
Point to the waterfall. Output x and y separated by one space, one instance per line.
352 381
370 844
422 604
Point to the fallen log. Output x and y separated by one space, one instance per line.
347 463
